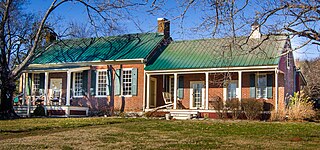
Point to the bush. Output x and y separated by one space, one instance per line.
217 104
252 108
234 106
39 111
279 115
300 107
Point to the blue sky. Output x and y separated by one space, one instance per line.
73 12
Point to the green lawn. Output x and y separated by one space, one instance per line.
117 133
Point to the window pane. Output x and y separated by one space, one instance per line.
262 86
127 81
36 84
232 90
102 83
78 84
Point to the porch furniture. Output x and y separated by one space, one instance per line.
39 100
56 98
167 97
17 100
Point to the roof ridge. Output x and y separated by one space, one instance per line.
224 38
102 37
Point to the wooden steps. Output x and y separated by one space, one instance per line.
22 111
184 115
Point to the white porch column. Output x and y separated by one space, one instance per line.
175 87
46 83
276 91
240 85
148 91
24 79
207 90
29 100
68 87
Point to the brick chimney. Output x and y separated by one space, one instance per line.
50 36
164 27
255 30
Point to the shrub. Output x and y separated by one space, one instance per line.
300 108
234 106
39 111
279 115
252 108
217 104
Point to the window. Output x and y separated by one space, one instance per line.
77 84
126 81
102 83
232 90
262 86
36 83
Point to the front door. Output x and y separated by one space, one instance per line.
153 92
56 90
196 94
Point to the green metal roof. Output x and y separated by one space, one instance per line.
218 53
130 46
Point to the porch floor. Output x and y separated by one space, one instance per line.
53 111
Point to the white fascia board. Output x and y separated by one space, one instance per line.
202 70
105 62
59 70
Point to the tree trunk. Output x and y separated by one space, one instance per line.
6 101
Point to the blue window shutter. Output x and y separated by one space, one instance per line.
29 83
134 83
85 82
117 82
42 76
180 87
109 83
269 85
93 83
252 86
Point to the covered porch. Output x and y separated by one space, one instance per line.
194 90
53 88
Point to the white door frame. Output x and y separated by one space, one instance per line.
155 88
51 90
191 94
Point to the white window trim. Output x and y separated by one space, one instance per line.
256 85
73 84
97 79
33 85
121 82
225 89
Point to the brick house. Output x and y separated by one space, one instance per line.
75 76
132 72
197 72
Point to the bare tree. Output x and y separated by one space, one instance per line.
311 71
21 37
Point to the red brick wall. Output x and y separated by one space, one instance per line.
216 87
133 103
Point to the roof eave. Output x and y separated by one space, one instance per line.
229 69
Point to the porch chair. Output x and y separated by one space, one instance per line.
167 97
56 98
